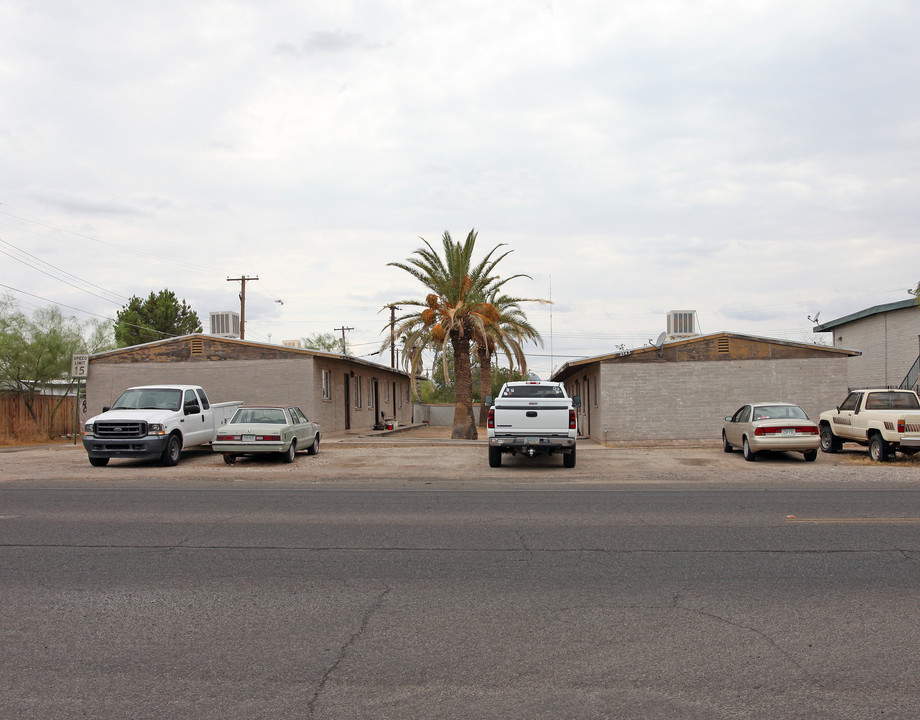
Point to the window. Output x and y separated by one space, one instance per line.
851 401
370 393
386 391
327 385
357 391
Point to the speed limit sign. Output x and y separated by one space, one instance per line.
79 364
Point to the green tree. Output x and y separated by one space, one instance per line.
160 316
327 342
35 353
455 309
508 333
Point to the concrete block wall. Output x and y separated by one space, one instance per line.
687 401
293 381
889 345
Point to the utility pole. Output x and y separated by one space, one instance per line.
343 329
242 280
393 310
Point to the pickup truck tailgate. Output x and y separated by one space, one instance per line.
531 418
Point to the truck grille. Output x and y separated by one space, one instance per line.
127 429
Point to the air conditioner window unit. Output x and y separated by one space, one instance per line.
225 323
682 324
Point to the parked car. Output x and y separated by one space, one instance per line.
256 429
770 426
887 420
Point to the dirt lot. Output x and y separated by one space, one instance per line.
427 455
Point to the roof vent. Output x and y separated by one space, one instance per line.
225 324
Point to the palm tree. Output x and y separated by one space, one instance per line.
508 333
451 314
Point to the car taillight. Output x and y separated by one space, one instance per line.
492 418
799 430
572 425
901 426
228 437
269 438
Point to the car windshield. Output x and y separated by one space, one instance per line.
265 416
892 401
779 412
533 391
149 399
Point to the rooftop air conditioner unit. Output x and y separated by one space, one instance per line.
292 343
225 324
682 324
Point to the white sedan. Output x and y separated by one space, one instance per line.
255 429
775 426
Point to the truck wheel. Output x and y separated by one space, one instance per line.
749 454
288 455
878 449
314 448
172 452
229 458
568 460
98 462
495 457
830 443
725 446
811 455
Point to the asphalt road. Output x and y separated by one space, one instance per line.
220 601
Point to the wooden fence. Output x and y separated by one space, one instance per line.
16 423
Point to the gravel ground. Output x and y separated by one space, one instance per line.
427 455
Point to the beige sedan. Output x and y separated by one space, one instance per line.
770 426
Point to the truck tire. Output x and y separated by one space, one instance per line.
314 448
568 459
98 462
495 457
749 454
288 455
173 451
830 443
878 448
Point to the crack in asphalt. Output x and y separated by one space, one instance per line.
343 651
677 605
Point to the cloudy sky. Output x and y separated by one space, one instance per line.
754 161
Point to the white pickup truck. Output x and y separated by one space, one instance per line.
155 421
886 420
532 417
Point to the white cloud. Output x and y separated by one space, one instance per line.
648 156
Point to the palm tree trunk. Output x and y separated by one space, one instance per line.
464 422
485 384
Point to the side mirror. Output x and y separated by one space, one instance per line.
192 409
106 408
489 400
728 418
576 400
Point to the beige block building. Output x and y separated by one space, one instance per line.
888 340
683 390
337 391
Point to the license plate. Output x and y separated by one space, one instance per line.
248 438
788 431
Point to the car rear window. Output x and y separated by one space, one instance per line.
892 401
533 391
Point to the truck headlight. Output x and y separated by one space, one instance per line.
154 429
89 428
